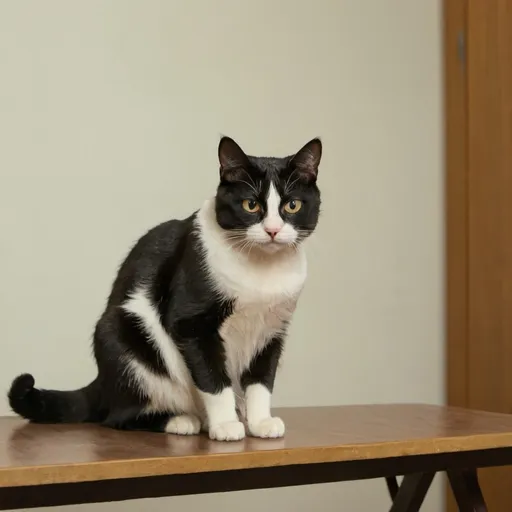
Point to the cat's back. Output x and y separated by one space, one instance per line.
159 250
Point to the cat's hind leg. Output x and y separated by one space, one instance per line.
181 424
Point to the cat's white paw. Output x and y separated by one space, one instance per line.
228 431
184 425
268 428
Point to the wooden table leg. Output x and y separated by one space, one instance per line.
411 493
466 490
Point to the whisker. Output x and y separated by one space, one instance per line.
251 246
249 185
252 181
286 185
245 245
233 246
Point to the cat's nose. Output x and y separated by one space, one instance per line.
272 232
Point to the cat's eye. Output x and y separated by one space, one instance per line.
251 206
293 206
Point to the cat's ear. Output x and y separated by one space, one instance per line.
233 161
307 160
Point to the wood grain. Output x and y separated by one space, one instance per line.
456 205
490 215
490 208
478 114
49 454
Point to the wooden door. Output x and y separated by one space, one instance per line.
478 50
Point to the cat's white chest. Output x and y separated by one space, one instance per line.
249 328
264 302
264 297
264 291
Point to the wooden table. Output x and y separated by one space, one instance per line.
50 465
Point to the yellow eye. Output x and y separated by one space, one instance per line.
251 206
293 206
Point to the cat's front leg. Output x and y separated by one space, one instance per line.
223 421
258 383
207 366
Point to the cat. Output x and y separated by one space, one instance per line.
198 313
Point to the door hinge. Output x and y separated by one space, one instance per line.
461 48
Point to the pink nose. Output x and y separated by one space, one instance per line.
272 232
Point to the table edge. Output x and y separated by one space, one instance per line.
160 466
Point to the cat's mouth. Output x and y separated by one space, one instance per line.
272 246
262 246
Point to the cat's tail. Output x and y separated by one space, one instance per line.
45 406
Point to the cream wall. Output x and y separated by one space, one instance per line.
110 112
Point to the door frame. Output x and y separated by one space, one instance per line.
456 203
456 200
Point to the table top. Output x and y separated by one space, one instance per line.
42 454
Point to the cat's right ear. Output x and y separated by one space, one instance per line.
233 161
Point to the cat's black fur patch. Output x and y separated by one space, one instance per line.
169 260
263 367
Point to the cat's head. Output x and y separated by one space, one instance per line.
268 203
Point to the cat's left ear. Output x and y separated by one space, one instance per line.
307 160
232 159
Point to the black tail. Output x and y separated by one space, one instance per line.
44 406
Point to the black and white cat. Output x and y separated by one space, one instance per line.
199 310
